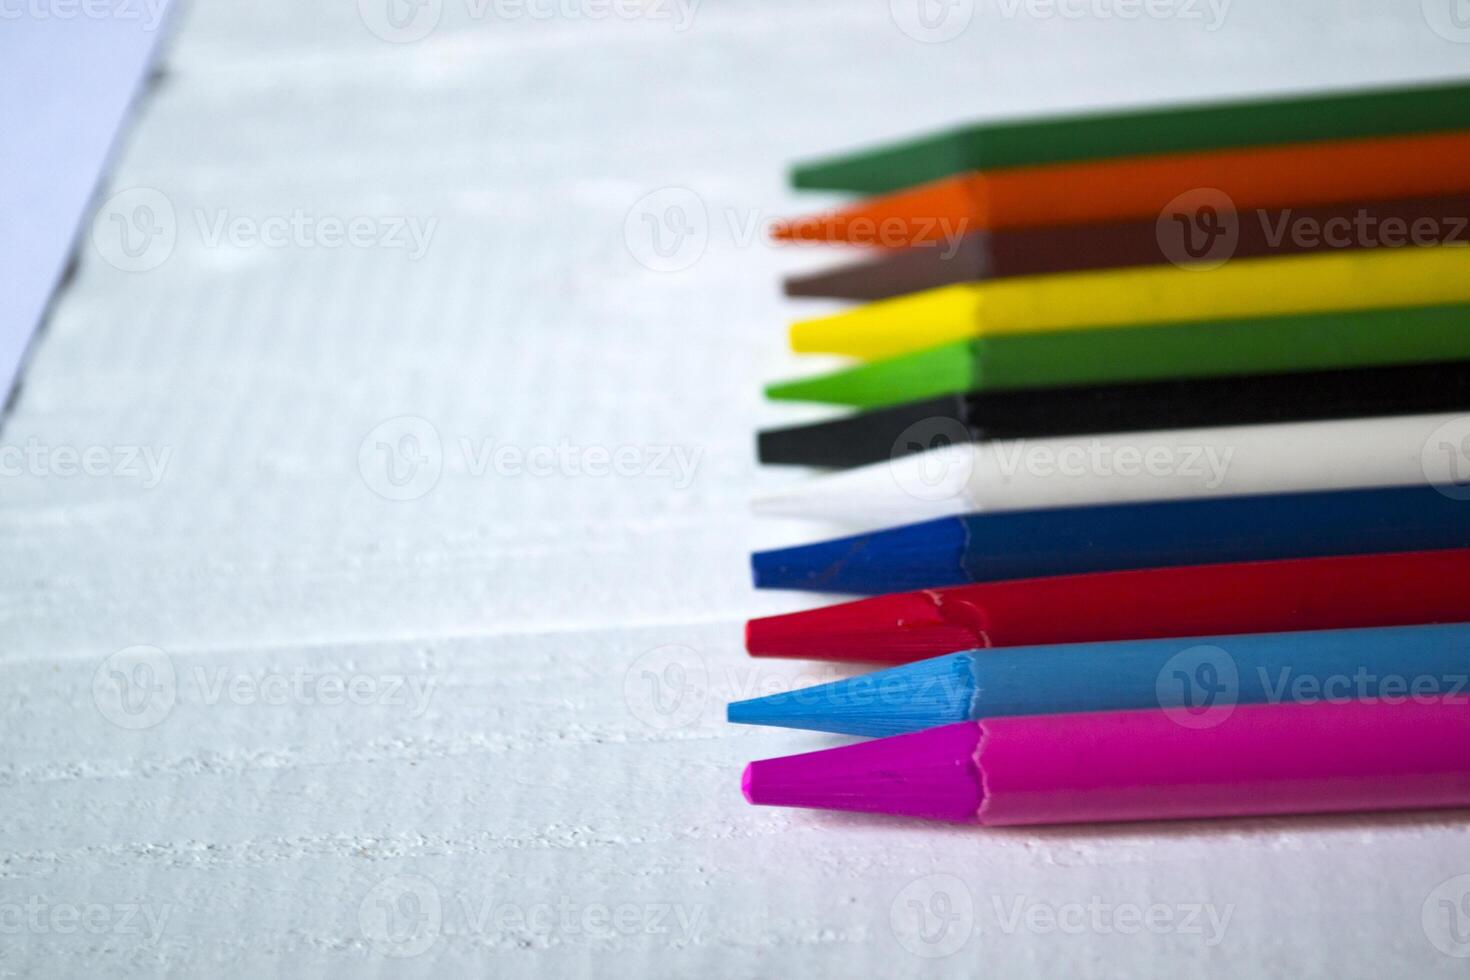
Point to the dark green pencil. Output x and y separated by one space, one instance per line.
1425 108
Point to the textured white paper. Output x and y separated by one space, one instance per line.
565 801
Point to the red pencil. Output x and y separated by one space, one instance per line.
1201 600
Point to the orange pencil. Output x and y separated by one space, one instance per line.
1298 175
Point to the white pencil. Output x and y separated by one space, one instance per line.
1026 474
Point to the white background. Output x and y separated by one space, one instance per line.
566 799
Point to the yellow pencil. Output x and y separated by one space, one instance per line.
1319 283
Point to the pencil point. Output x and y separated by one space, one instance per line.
918 556
890 327
917 487
964 258
872 436
928 774
921 695
944 370
893 629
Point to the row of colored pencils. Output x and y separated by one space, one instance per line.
1156 482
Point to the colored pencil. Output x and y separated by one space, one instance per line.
1141 188
1337 592
1078 357
1106 133
1074 248
1339 281
1118 537
1308 667
1104 766
1071 471
881 434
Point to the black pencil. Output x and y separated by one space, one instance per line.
871 437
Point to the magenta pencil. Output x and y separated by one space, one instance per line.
1408 754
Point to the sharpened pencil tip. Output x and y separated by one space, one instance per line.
735 713
916 556
911 698
930 774
897 628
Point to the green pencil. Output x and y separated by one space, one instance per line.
1174 129
1099 356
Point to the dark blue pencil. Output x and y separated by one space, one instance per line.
1116 537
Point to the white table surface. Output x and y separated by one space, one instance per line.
531 775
